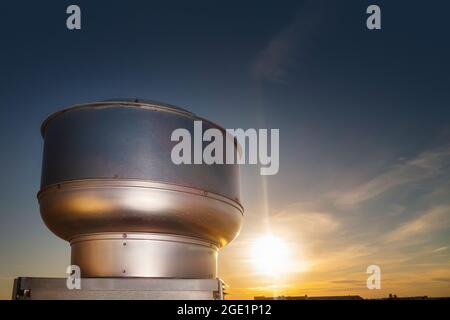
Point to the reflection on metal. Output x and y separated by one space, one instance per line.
109 187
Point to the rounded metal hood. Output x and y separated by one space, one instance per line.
109 187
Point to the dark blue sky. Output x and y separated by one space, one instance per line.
352 105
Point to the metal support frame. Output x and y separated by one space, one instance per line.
118 289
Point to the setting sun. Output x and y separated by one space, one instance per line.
271 255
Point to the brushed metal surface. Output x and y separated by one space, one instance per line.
107 171
127 141
144 255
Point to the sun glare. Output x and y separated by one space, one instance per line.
270 255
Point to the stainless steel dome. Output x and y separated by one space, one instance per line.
109 187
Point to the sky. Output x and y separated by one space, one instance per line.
364 120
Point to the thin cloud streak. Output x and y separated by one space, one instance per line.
426 165
435 219
281 53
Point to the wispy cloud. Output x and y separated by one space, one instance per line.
441 249
442 279
306 222
283 50
432 220
272 62
426 165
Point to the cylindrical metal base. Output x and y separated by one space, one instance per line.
144 255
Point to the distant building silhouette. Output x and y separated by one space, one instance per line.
305 297
349 297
